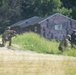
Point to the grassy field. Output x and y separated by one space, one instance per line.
26 63
47 61
34 42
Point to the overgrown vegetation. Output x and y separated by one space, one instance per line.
37 64
34 42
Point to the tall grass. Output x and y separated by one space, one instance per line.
34 42
71 52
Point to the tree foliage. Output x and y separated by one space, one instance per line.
12 11
70 4
41 7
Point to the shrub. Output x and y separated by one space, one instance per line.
34 42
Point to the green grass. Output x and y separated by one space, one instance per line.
22 64
71 52
34 42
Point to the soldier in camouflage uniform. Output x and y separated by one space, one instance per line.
73 38
7 36
65 43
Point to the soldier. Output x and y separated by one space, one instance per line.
65 43
7 36
73 38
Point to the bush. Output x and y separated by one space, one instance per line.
34 42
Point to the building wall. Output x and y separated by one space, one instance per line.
32 28
57 27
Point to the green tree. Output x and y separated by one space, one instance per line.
65 11
12 11
73 13
44 8
69 3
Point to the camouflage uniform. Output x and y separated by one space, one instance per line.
73 38
65 43
7 36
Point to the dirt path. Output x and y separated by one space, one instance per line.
15 62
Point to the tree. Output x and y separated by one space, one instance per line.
73 13
12 11
69 3
43 8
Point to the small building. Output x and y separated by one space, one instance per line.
56 26
26 25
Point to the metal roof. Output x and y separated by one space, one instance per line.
26 22
56 14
